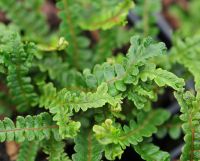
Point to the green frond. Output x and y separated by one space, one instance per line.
112 151
142 95
145 126
28 128
61 44
63 103
53 66
109 13
77 51
49 93
163 78
186 53
133 69
190 116
55 150
144 48
57 104
151 152
28 151
73 24
172 127
87 147
119 74
17 57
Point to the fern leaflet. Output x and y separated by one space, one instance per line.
87 147
28 151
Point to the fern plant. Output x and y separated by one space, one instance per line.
93 83
132 77
190 117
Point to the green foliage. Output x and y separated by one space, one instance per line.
87 147
17 57
186 53
109 13
64 102
28 128
163 77
110 81
28 151
82 84
115 37
133 68
27 17
145 126
52 66
55 150
190 116
187 14
147 9
73 24
135 71
69 28
150 152
171 127
61 45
